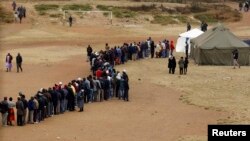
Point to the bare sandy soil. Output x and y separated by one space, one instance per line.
162 107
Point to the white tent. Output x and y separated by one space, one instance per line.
185 37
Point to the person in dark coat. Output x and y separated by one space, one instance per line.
4 110
20 111
152 48
172 64
54 99
31 106
188 26
126 89
70 20
185 65
89 52
186 48
19 61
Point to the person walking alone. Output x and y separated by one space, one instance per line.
70 21
19 61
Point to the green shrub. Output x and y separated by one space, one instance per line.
104 7
207 17
55 15
45 7
142 8
123 13
163 20
42 13
85 7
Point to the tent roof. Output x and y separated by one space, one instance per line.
218 37
192 33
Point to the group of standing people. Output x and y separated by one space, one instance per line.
61 98
244 6
19 12
105 84
8 62
183 65
204 26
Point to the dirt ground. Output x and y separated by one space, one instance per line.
162 107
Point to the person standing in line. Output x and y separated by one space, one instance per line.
36 106
181 65
70 21
235 58
31 106
25 106
8 61
19 61
152 49
4 111
185 65
80 100
126 89
11 115
20 111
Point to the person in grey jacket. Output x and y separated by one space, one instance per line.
20 111
181 65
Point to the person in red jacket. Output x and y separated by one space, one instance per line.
98 73
172 47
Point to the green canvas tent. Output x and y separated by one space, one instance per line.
215 47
